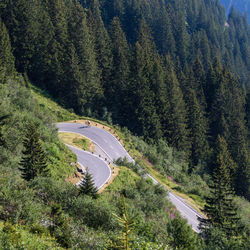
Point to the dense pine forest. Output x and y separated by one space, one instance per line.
173 72
241 5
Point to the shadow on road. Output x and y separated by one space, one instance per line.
84 127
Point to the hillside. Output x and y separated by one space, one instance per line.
37 198
243 6
28 206
171 78
151 66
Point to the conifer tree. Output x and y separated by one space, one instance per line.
198 129
7 62
102 42
42 60
220 210
59 49
198 85
203 45
34 160
164 34
148 122
84 87
127 224
242 175
181 37
240 154
227 118
176 132
87 186
118 90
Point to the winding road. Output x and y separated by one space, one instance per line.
98 168
111 149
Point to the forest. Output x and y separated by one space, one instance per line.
175 73
241 5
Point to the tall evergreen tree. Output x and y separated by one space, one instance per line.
198 129
118 90
176 132
147 120
164 33
42 60
101 41
87 186
85 89
7 61
198 76
181 36
59 49
220 210
227 118
34 160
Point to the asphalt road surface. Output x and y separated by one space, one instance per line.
98 168
113 149
101 137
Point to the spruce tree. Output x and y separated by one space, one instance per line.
34 160
226 102
102 42
83 73
59 49
118 88
7 62
198 75
87 186
146 121
198 129
181 36
164 34
220 210
176 131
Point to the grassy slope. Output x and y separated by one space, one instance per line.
17 101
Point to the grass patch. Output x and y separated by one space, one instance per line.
76 140
46 103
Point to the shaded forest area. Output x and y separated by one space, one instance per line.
241 5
